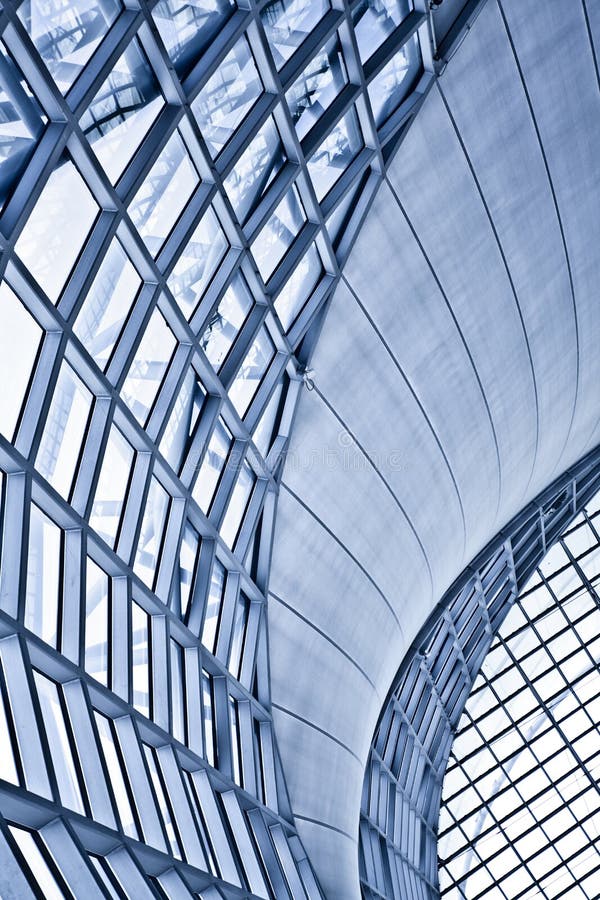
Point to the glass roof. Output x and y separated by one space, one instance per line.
520 815
174 184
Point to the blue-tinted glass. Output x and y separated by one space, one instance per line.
278 234
298 287
67 33
335 154
227 96
213 606
317 87
113 483
389 88
107 304
248 379
182 420
225 323
255 169
20 337
96 622
21 122
148 367
151 533
238 504
375 20
288 22
43 577
197 263
123 110
188 27
164 194
212 466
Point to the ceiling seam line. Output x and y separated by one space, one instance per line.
358 564
560 225
508 273
417 400
463 340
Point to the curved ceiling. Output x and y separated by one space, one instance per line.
455 376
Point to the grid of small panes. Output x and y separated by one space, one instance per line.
521 803
402 791
180 184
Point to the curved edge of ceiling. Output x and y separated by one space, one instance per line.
417 724
455 375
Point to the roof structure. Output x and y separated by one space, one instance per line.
298 338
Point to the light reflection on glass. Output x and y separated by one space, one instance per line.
317 87
43 576
212 466
123 110
278 234
255 365
375 20
111 489
151 534
148 367
188 27
197 263
389 88
227 97
335 154
288 22
238 503
213 606
225 323
255 170
107 305
298 287
20 337
96 622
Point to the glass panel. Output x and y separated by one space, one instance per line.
151 534
188 28
21 121
188 554
96 622
112 486
58 739
226 322
288 22
248 379
375 20
43 576
140 627
263 433
20 338
107 305
148 367
123 110
335 154
57 229
116 778
209 729
212 466
213 606
298 287
240 623
197 263
162 802
164 194
395 81
227 97
234 728
37 864
255 170
177 693
317 87
62 440
182 420
278 234
8 753
66 34
237 505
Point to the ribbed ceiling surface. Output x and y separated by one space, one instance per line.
456 375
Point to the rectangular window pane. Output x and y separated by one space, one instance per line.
375 20
140 627
43 576
209 728
240 623
187 28
115 776
389 88
317 87
255 169
177 692
188 555
20 338
226 322
237 506
37 864
278 234
183 419
213 606
58 739
96 622
335 154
